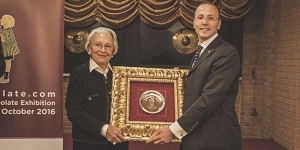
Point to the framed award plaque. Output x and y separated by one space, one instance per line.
146 99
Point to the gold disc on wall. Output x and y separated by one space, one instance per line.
185 41
75 40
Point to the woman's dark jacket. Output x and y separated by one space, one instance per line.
88 104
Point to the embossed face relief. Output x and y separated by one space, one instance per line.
152 101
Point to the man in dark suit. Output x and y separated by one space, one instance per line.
209 120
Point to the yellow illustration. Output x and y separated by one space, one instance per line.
9 45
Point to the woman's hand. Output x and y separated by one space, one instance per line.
114 135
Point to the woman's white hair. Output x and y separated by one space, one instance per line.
103 30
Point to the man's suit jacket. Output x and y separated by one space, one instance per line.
211 88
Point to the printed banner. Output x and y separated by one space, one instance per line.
31 68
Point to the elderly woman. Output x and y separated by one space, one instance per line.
88 97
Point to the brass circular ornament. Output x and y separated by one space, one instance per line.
75 40
152 102
185 41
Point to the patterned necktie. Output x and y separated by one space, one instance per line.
196 55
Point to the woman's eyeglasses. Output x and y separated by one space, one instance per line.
107 47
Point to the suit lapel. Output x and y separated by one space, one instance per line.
207 52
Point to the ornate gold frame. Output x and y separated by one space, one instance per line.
122 76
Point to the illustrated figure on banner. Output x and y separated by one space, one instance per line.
9 45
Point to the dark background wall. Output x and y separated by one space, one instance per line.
271 72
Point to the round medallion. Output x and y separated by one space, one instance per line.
152 101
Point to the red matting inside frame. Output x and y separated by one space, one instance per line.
143 146
137 114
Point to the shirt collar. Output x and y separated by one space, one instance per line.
94 66
205 43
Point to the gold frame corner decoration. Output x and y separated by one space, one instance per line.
122 78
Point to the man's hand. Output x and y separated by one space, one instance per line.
114 135
161 136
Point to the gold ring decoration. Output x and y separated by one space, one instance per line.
75 40
185 41
152 101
